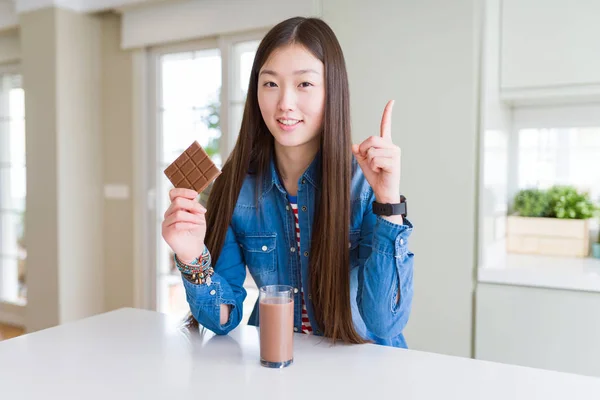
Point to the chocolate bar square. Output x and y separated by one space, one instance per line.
193 169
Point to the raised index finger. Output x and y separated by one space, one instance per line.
183 192
386 121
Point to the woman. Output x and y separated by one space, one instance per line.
296 207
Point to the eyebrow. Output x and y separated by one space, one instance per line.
297 72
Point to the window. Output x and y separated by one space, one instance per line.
201 91
190 105
243 53
12 189
535 147
564 156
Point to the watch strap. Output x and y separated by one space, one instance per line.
388 209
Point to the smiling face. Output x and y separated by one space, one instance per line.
291 96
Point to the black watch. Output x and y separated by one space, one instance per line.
390 209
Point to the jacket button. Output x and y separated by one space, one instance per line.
303 181
310 296
401 241
292 249
287 208
213 292
295 290
264 248
304 208
295 329
306 254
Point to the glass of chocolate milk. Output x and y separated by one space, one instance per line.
276 325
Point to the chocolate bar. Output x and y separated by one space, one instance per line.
193 169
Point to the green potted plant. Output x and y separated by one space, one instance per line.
531 203
566 202
550 222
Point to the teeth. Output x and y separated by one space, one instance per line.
288 122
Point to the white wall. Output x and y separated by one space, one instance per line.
8 15
425 55
171 22
38 45
496 121
10 46
550 51
118 166
64 167
550 43
80 204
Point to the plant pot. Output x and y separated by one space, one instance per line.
548 236
596 250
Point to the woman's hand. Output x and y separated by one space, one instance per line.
184 224
379 159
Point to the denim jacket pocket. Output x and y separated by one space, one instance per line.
259 251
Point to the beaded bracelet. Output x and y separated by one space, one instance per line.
199 271
198 276
198 263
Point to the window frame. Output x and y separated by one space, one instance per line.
147 276
12 313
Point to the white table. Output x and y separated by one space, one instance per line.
136 354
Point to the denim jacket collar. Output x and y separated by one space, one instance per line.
312 175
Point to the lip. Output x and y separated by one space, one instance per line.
288 128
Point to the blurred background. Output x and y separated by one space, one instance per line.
497 114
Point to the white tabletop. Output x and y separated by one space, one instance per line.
136 354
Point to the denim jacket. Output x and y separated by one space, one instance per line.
262 236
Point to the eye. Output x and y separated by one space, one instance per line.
305 84
269 84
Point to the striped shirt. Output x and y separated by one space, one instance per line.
306 328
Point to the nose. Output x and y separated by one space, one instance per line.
287 101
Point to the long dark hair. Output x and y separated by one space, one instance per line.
329 256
